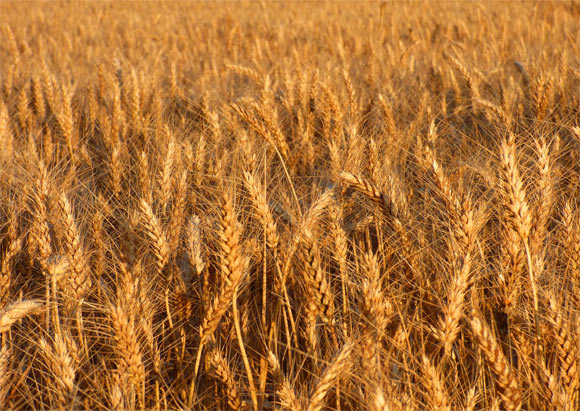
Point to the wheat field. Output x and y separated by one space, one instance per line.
304 206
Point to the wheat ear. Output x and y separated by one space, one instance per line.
127 345
219 368
284 390
17 311
41 236
258 197
156 234
6 264
462 222
194 242
232 266
518 212
61 366
438 397
79 278
5 372
376 310
331 374
167 169
369 189
510 390
567 350
320 300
